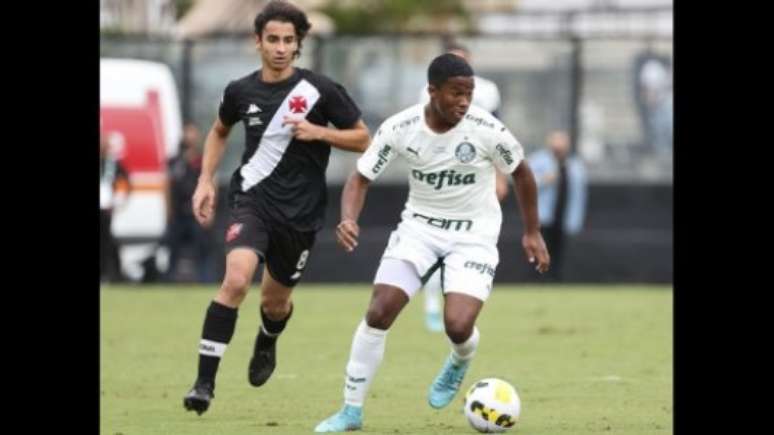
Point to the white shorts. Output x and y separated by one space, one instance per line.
466 266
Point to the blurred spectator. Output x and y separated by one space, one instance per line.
562 192
654 100
114 186
187 240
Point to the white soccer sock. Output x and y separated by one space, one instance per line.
364 358
433 293
464 351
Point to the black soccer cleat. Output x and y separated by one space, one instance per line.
262 365
198 399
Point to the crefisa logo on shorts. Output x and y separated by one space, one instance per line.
482 268
465 152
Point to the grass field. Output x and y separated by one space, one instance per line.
584 359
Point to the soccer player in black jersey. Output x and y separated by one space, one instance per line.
277 196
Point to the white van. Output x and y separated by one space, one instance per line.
140 114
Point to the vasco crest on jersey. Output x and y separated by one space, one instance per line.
465 152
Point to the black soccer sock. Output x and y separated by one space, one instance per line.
270 329
219 324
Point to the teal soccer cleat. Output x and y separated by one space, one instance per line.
446 384
348 419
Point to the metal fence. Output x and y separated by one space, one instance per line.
612 94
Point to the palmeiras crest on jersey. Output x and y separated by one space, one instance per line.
465 152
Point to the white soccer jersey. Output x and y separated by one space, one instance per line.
452 175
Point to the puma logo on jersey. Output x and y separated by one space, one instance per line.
411 150
448 178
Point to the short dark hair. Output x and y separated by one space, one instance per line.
445 66
280 10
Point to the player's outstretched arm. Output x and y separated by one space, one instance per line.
203 201
526 193
352 200
349 139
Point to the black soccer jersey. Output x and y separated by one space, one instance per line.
285 177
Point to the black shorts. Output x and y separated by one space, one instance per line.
284 249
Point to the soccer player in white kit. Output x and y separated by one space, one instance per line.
451 221
486 95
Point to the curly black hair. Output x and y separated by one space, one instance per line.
446 66
279 10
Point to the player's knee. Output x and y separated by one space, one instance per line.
458 330
235 285
275 308
378 317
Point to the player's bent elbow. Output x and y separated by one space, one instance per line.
364 137
220 129
363 141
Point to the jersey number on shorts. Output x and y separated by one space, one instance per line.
301 264
302 260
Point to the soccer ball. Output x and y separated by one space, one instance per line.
492 406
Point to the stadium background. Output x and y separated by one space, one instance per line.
570 65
